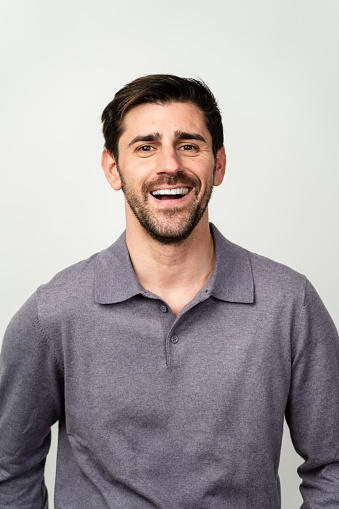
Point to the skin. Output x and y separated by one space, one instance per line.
175 257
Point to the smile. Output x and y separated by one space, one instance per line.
169 194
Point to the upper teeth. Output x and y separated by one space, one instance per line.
178 190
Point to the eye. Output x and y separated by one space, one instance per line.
145 148
187 147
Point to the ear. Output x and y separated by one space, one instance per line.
220 167
111 171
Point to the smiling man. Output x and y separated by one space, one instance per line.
178 167
167 166
171 358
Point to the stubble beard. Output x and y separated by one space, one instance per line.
168 231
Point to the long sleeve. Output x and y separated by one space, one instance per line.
30 401
313 406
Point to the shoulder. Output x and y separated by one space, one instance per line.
69 283
268 278
53 302
287 295
71 292
77 281
275 276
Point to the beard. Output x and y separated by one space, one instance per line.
175 224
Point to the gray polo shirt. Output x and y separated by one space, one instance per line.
170 413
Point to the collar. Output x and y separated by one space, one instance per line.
231 281
115 279
232 277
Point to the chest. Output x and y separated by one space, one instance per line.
148 368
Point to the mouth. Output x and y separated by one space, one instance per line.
171 194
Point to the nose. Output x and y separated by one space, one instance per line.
168 161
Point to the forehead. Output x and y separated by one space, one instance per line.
173 116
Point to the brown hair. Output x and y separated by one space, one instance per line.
160 88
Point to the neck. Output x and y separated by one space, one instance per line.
174 272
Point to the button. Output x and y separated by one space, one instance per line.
163 308
174 339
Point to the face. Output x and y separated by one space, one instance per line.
166 169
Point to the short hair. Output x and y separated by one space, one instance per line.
160 89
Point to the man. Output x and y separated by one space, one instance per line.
171 358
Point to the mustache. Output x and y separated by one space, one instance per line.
171 180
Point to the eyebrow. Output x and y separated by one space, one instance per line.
145 138
179 135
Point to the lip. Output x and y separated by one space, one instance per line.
171 202
171 187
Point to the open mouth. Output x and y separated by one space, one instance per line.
170 194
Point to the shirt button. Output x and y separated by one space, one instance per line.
163 308
174 339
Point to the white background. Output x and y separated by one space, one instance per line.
273 65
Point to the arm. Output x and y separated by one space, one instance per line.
30 402
313 407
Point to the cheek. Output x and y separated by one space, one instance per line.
137 169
